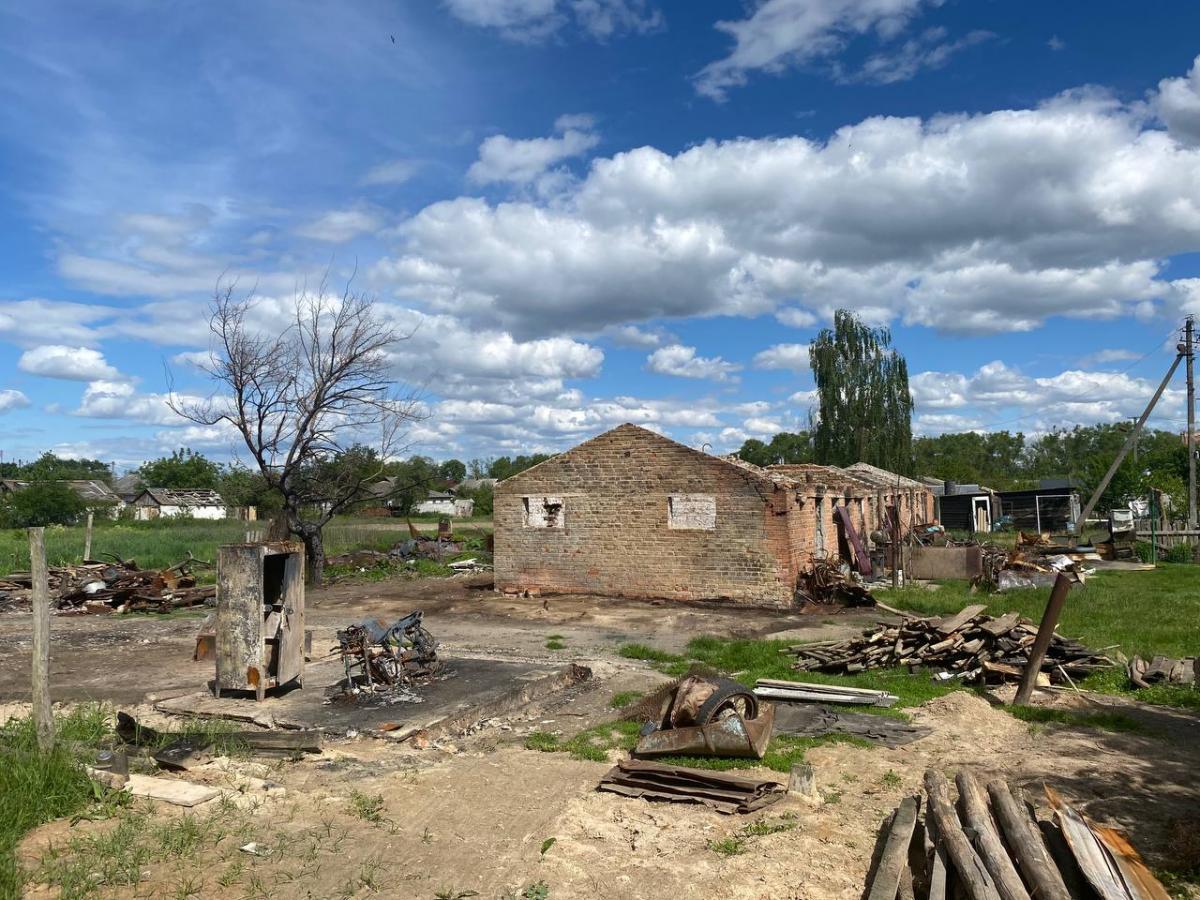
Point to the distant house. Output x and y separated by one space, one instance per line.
446 503
154 503
964 507
127 487
96 495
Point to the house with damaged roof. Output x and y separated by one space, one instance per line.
631 513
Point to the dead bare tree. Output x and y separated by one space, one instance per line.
315 405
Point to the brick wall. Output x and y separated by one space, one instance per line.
613 532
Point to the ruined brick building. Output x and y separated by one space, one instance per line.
631 513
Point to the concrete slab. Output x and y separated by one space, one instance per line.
470 690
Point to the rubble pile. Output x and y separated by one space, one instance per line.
968 644
408 551
826 582
118 586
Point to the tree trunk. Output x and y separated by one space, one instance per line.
314 554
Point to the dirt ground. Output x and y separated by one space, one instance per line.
478 812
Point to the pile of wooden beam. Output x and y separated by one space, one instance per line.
119 586
968 644
990 846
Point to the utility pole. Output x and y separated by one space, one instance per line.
1188 334
1133 423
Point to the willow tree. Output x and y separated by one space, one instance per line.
865 408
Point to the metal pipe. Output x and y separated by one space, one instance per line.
1188 334
1037 653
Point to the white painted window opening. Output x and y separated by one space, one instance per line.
543 512
692 512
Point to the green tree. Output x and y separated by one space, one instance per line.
785 447
240 486
453 470
995 459
45 503
503 467
183 469
483 497
49 467
865 408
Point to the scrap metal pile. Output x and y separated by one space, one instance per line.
708 717
991 846
379 657
826 582
118 586
968 644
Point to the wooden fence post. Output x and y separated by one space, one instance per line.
87 540
43 715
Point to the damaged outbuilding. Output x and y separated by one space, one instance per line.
631 513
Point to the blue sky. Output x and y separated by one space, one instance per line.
596 211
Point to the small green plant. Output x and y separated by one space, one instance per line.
547 844
730 846
832 797
622 699
539 890
452 894
369 808
542 740
891 779
555 644
763 827
232 874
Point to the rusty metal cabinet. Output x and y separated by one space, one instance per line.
260 616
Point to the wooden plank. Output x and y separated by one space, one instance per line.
1041 874
895 852
43 715
953 623
987 839
169 790
970 868
1001 624
1138 878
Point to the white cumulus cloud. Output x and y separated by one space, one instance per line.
681 361
72 363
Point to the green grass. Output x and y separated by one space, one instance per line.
555 644
592 744
622 699
737 843
1146 613
641 651
155 545
36 787
1079 718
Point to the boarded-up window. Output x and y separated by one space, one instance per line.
693 512
543 512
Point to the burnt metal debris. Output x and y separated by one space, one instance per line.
382 657
717 790
95 586
709 717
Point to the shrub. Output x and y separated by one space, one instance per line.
48 503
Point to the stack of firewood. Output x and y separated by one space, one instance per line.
968 644
992 847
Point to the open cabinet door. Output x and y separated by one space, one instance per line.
291 638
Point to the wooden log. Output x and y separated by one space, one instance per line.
87 538
43 715
1041 874
987 839
895 852
970 868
